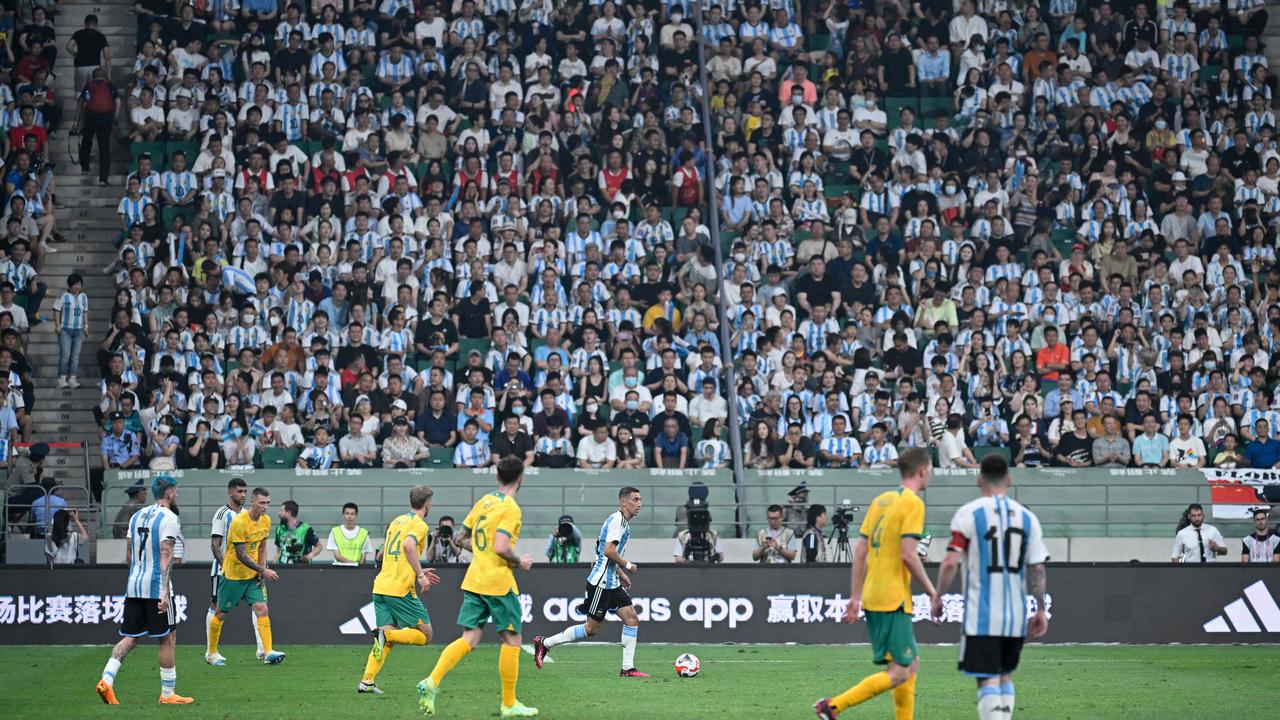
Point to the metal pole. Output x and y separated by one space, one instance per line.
726 351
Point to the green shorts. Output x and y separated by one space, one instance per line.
399 612
232 592
477 610
892 638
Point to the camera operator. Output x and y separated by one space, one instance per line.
565 543
441 546
775 544
295 541
812 543
698 543
795 513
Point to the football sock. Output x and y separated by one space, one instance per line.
208 625
990 704
373 666
264 629
568 635
109 672
1007 697
509 671
168 678
871 686
453 653
257 635
629 647
406 636
904 700
215 634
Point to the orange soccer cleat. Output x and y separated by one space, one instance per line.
107 693
175 699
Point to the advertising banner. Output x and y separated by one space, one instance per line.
1236 493
1118 603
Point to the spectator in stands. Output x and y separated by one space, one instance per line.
1186 450
137 494
671 446
1074 448
356 449
512 441
121 448
952 450
1151 448
471 451
597 451
62 544
402 449
1111 449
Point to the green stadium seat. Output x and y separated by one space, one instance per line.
930 105
155 150
466 345
981 452
280 457
441 457
819 42
1209 72
189 148
893 108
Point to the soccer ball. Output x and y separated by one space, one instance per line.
687 665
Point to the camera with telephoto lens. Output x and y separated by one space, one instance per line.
843 515
444 532
564 533
699 548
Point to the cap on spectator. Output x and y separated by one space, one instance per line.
114 416
219 173
134 489
182 93
399 405
565 518
40 449
401 421
1179 176
801 489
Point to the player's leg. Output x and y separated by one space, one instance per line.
166 656
106 685
630 630
888 647
229 595
904 689
986 659
990 703
401 621
1010 655
262 617
593 607
509 673
452 654
208 622
1007 697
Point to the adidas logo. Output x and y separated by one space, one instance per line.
1240 613
365 622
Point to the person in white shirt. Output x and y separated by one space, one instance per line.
1186 450
597 450
1264 544
707 406
952 452
838 142
1196 541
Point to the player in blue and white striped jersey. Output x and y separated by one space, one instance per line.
1001 545
154 531
607 586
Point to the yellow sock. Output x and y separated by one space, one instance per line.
871 686
215 634
406 636
373 666
904 700
453 653
509 671
264 630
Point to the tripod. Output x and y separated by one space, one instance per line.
842 553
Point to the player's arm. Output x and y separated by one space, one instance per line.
1244 553
426 577
860 552
946 575
505 549
1038 625
316 547
911 558
611 552
166 564
463 538
258 565
216 545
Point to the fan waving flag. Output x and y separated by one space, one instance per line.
237 280
1235 493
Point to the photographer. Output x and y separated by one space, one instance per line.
812 543
775 544
698 543
295 541
565 543
441 547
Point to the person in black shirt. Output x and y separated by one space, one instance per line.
868 158
293 57
1140 26
473 318
1026 448
1075 449
90 49
673 59
356 346
435 331
897 68
817 288
795 450
902 359
512 441
1240 156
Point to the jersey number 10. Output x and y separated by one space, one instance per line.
1001 561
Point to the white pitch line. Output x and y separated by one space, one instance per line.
529 649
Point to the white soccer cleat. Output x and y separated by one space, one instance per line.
215 659
275 657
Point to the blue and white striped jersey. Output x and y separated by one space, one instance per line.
604 573
221 522
999 538
74 309
148 529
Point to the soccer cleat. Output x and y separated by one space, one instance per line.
632 673
275 657
215 659
427 696
824 710
260 655
175 700
519 710
365 688
107 693
379 642
540 650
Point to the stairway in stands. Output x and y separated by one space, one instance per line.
87 217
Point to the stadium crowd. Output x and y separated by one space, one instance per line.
380 235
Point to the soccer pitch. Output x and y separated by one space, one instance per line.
582 683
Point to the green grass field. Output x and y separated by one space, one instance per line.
773 682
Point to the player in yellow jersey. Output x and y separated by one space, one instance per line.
400 616
244 575
885 560
490 532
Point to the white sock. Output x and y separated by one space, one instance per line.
168 678
990 703
253 620
568 635
1007 698
109 672
629 647
208 620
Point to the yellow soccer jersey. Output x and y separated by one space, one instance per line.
488 573
892 516
252 534
396 578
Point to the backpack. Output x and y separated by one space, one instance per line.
98 97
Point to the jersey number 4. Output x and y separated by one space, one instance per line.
1001 562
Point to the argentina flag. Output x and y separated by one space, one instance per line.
237 280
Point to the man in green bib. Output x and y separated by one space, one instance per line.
349 542
295 541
